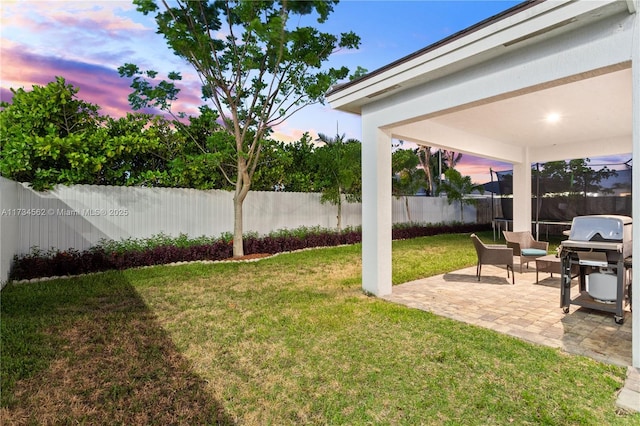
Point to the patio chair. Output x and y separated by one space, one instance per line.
525 246
493 255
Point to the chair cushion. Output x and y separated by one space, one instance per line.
533 252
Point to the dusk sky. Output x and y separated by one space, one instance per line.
86 41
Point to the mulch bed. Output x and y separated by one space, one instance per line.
249 256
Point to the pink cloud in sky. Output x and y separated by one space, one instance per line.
286 134
69 15
479 169
98 24
102 20
98 84
74 30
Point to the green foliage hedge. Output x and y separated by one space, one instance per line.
163 249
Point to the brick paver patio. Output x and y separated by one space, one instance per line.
526 310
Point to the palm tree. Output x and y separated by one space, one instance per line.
434 162
339 171
451 158
408 179
457 187
424 156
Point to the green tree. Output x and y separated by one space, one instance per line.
408 178
37 127
339 171
301 172
574 176
49 136
457 188
135 146
206 160
271 173
256 67
287 166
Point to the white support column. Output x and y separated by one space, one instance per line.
635 131
522 194
376 209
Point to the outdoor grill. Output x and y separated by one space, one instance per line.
600 247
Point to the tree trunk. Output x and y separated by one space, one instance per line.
451 157
406 205
339 212
243 184
238 247
425 163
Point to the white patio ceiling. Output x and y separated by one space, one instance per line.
594 119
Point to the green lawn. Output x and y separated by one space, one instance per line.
286 340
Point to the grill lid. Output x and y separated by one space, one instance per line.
603 228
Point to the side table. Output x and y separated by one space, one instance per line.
549 263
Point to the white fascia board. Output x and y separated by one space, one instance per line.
496 36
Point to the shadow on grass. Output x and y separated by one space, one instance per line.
89 351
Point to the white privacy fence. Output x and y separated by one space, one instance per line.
81 215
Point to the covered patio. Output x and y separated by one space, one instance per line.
491 91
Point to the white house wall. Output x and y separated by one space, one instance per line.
522 194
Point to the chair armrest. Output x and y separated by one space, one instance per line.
504 250
499 249
515 246
498 254
541 245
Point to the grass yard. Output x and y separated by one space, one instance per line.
287 340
